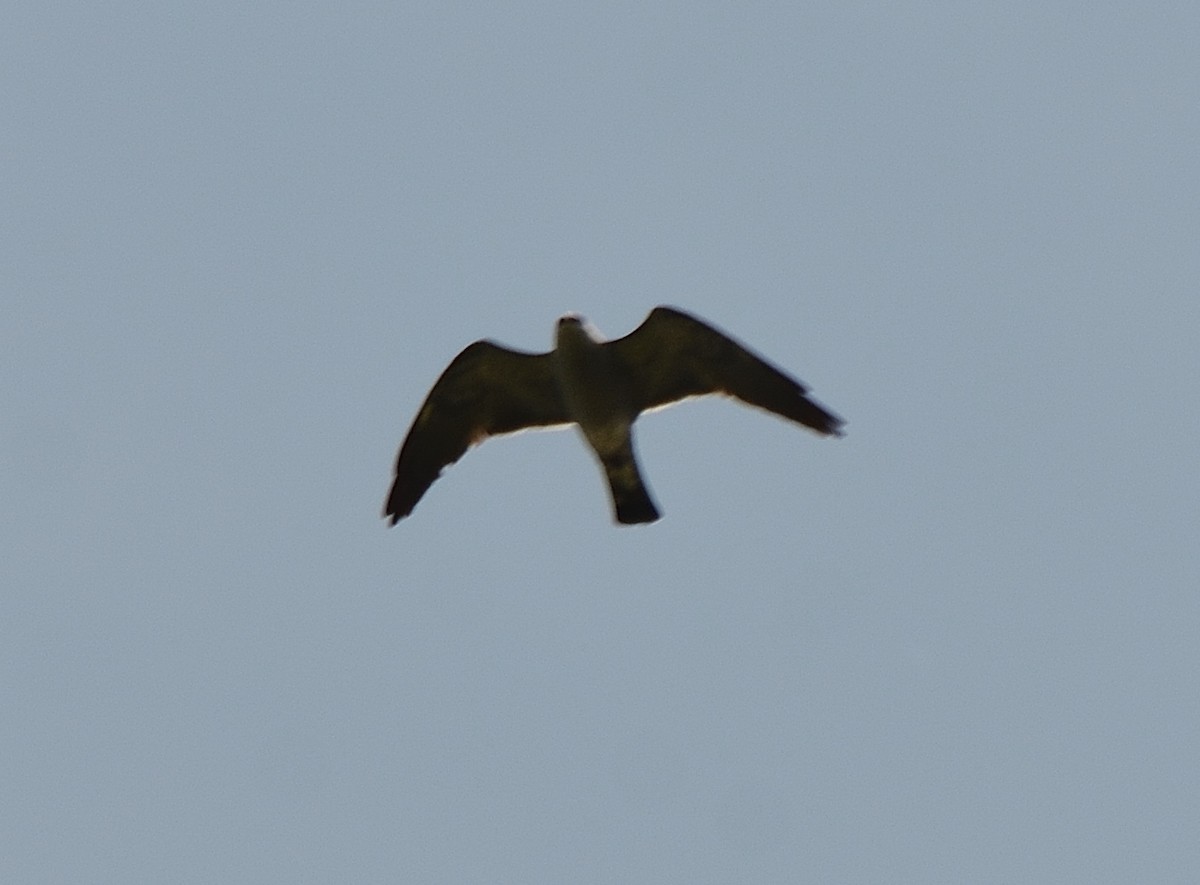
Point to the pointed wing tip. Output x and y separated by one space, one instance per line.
824 421
392 513
821 422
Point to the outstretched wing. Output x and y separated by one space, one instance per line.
486 390
671 356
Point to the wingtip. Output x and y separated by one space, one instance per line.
391 515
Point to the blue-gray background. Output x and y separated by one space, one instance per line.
241 241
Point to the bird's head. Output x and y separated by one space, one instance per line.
575 327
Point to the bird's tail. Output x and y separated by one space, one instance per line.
631 500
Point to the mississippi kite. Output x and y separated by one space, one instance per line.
602 386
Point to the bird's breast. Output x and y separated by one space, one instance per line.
594 387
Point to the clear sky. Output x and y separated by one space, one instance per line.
240 241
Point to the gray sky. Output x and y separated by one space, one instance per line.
240 243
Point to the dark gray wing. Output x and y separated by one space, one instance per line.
671 356
486 390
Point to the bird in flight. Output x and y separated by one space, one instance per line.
601 386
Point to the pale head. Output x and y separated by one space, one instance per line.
573 327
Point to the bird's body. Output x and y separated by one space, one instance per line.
600 386
591 379
598 398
